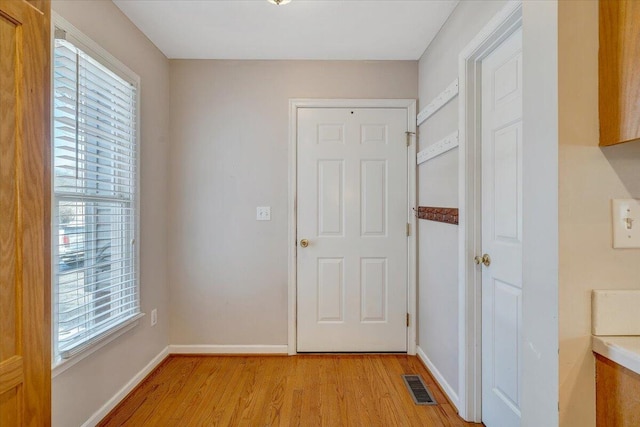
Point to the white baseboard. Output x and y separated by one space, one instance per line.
122 393
444 385
178 349
228 349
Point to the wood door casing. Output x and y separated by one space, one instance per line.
25 325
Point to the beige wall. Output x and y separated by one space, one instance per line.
589 178
228 124
438 186
229 135
85 387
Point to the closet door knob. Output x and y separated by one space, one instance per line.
484 259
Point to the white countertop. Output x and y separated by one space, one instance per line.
624 350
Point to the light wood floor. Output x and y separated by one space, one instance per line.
303 390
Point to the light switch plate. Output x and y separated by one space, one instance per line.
263 213
626 223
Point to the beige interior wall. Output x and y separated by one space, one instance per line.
229 136
229 133
85 387
590 177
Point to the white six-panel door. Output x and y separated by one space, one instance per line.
502 233
352 210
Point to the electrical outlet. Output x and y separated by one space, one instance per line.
154 317
263 213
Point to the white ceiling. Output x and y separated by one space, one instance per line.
303 29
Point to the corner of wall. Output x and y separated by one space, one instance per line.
85 387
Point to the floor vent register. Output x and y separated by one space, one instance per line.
418 390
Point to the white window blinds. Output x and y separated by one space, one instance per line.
95 182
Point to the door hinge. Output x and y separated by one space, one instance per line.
408 229
409 134
407 320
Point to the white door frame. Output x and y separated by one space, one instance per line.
410 106
500 27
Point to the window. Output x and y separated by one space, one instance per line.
94 197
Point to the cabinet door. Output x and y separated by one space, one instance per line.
619 67
617 391
25 367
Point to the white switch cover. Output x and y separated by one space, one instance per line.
263 213
626 223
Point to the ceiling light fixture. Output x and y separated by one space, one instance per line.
279 2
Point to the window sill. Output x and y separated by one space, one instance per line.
61 365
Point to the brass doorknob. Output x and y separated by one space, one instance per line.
304 243
484 259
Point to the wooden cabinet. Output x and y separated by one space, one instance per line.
617 395
619 71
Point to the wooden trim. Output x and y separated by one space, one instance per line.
40 5
11 373
446 215
34 188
